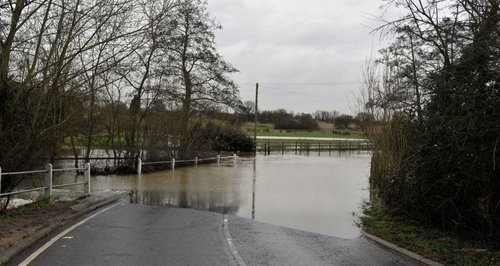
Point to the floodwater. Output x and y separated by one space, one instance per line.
321 194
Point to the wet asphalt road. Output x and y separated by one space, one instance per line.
265 244
128 234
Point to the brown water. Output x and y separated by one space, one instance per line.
320 194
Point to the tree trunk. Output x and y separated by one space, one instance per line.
184 149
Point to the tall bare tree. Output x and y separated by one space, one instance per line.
200 72
144 71
41 74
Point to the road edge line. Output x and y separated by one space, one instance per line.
229 240
22 245
400 250
40 250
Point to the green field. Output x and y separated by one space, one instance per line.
268 130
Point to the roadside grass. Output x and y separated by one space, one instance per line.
17 224
26 210
432 243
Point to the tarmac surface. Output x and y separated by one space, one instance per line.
128 234
265 244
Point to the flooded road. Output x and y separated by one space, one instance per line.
320 194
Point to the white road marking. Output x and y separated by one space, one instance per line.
230 243
63 233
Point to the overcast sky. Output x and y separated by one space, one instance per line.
306 55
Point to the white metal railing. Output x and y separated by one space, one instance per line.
49 177
172 162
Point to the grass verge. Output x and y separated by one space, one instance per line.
17 224
26 210
434 244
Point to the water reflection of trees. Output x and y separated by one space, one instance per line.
193 192
214 202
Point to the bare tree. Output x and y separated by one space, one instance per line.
249 107
45 58
144 72
200 73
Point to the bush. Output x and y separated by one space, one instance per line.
223 137
442 166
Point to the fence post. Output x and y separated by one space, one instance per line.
218 159
139 166
87 177
48 181
235 156
173 163
0 180
196 161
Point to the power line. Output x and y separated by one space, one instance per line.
301 93
327 83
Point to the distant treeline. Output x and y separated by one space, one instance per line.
283 119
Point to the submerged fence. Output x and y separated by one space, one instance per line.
48 180
194 161
324 146
49 172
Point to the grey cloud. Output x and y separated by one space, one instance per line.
296 41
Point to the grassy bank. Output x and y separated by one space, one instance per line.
441 246
26 211
17 224
268 130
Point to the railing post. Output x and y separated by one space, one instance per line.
48 181
218 159
196 161
173 163
87 177
0 180
235 156
139 166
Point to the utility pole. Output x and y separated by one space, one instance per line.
333 121
256 111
